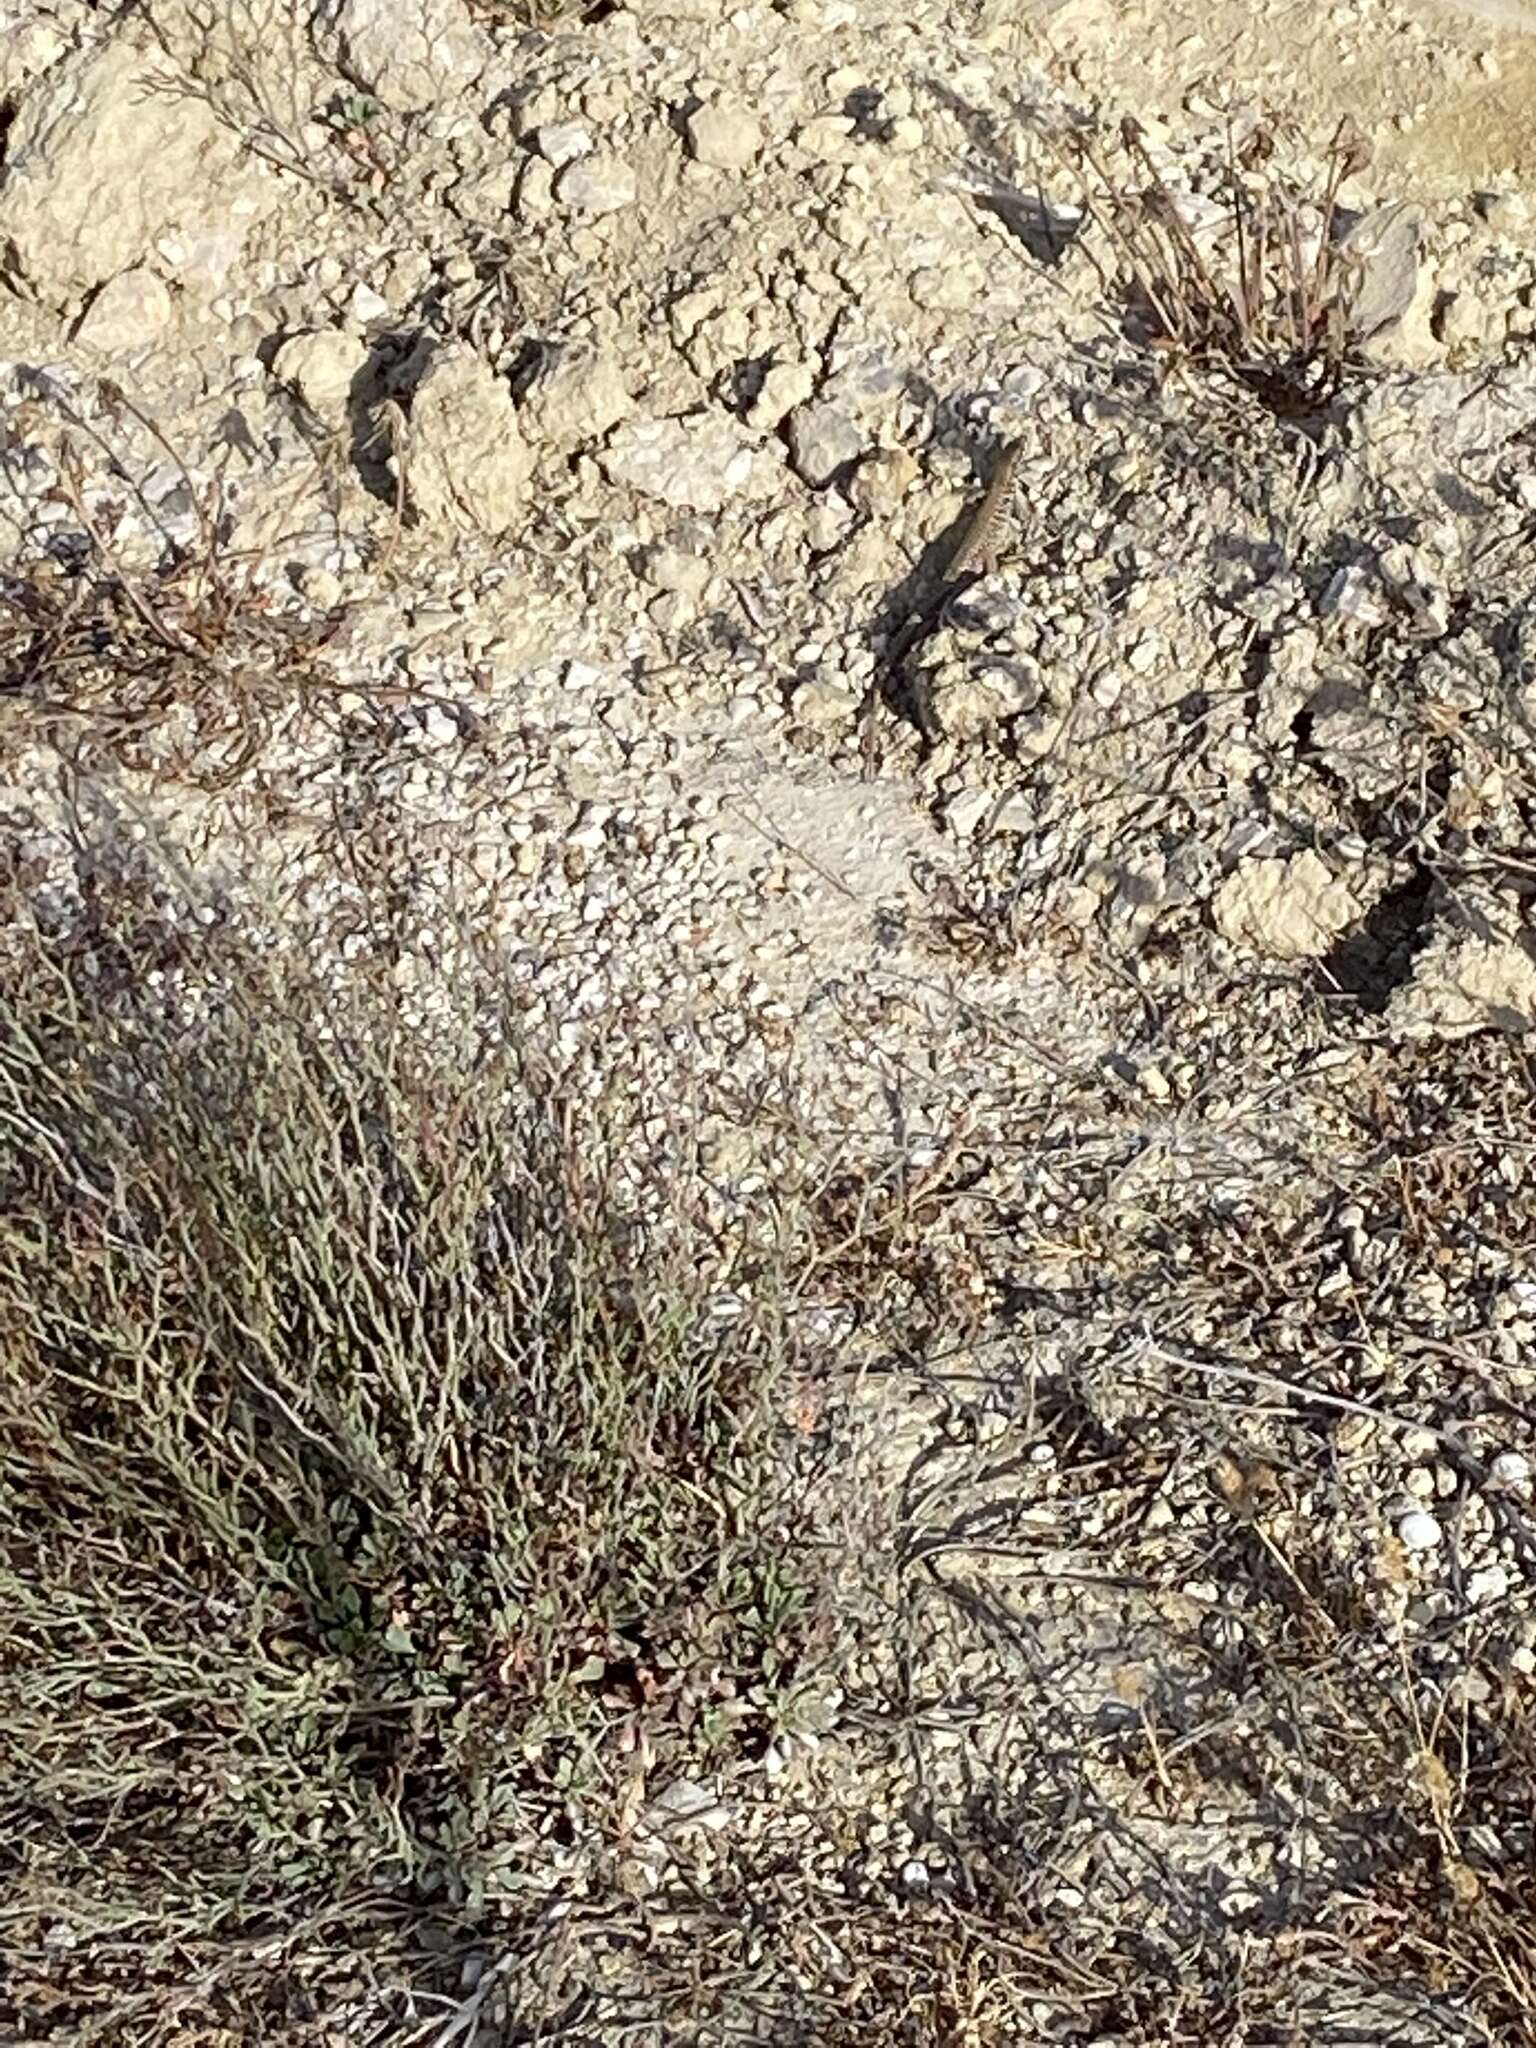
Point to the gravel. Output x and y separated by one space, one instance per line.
1167 1011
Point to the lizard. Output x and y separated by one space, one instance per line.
974 556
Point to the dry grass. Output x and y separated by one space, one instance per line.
385 1506
1191 1630
182 668
379 1485
541 14
1263 293
254 65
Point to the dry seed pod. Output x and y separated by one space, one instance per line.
1353 150
1258 149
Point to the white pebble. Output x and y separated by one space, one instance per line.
440 727
1510 1468
562 142
1419 1530
1491 1583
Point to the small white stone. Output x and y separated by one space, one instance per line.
128 312
1418 1530
1492 1583
1351 595
326 590
323 368
440 727
596 185
1016 813
1240 1900
365 305
725 137
1510 1468
562 142
785 386
826 135
963 813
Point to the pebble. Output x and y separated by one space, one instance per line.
128 312
1489 1584
827 136
1419 1530
322 367
563 142
965 811
822 441
820 701
439 727
1510 1468
365 305
1017 813
1353 596
784 386
597 185
726 138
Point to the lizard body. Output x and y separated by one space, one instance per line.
976 555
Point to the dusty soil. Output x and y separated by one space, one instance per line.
1442 85
521 446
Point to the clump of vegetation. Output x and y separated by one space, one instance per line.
1256 282
181 666
377 1481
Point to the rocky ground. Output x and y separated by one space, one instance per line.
459 478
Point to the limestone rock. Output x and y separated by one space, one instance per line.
1464 982
727 138
1393 302
784 386
130 311
412 57
323 368
697 462
104 162
562 142
575 396
823 441
467 465
28 48
597 184
1286 909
